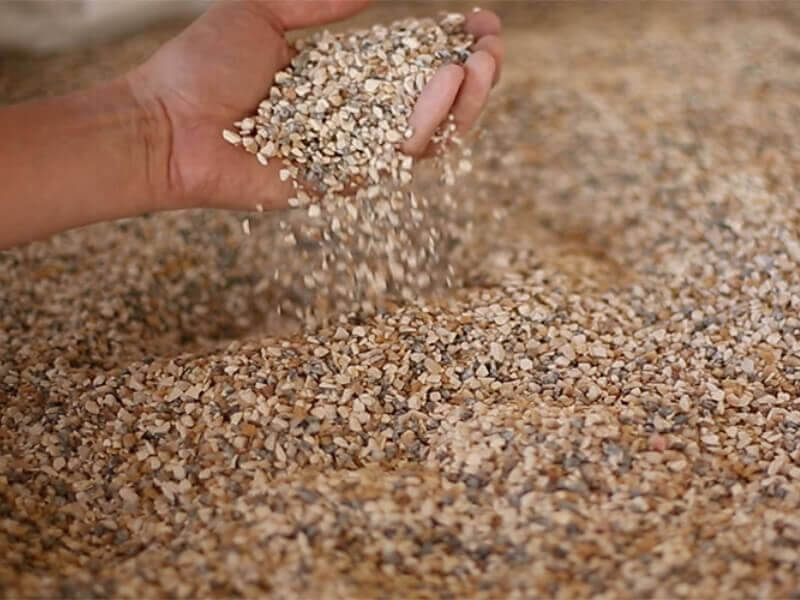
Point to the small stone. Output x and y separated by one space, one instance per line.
497 352
594 392
231 137
657 443
599 351
677 466
128 495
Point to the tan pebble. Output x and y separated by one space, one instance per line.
128 495
497 352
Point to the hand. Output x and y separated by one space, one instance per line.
223 65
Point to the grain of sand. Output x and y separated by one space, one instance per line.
608 407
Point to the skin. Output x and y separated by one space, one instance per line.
150 141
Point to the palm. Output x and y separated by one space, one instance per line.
221 67
207 81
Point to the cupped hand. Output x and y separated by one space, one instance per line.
223 65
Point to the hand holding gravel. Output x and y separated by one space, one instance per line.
223 66
149 141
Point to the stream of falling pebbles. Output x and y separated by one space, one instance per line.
364 230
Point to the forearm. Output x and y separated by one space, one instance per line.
91 156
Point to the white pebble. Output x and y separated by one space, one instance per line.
231 137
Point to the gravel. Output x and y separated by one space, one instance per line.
335 118
605 406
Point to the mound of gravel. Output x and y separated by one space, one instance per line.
607 406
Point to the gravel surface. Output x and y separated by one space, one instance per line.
607 406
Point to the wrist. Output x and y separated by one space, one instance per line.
154 139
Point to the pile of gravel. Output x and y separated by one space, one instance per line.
607 407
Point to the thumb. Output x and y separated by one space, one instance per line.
296 14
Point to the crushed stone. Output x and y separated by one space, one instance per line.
606 407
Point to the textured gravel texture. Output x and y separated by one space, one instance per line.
608 406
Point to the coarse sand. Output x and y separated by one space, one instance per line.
607 405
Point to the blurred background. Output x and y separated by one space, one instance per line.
25 75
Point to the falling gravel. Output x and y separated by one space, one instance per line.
605 407
335 119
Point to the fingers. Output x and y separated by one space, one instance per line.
296 14
486 27
462 91
480 71
494 46
483 23
433 107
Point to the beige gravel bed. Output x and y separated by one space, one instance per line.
608 406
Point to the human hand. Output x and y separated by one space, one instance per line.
223 65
